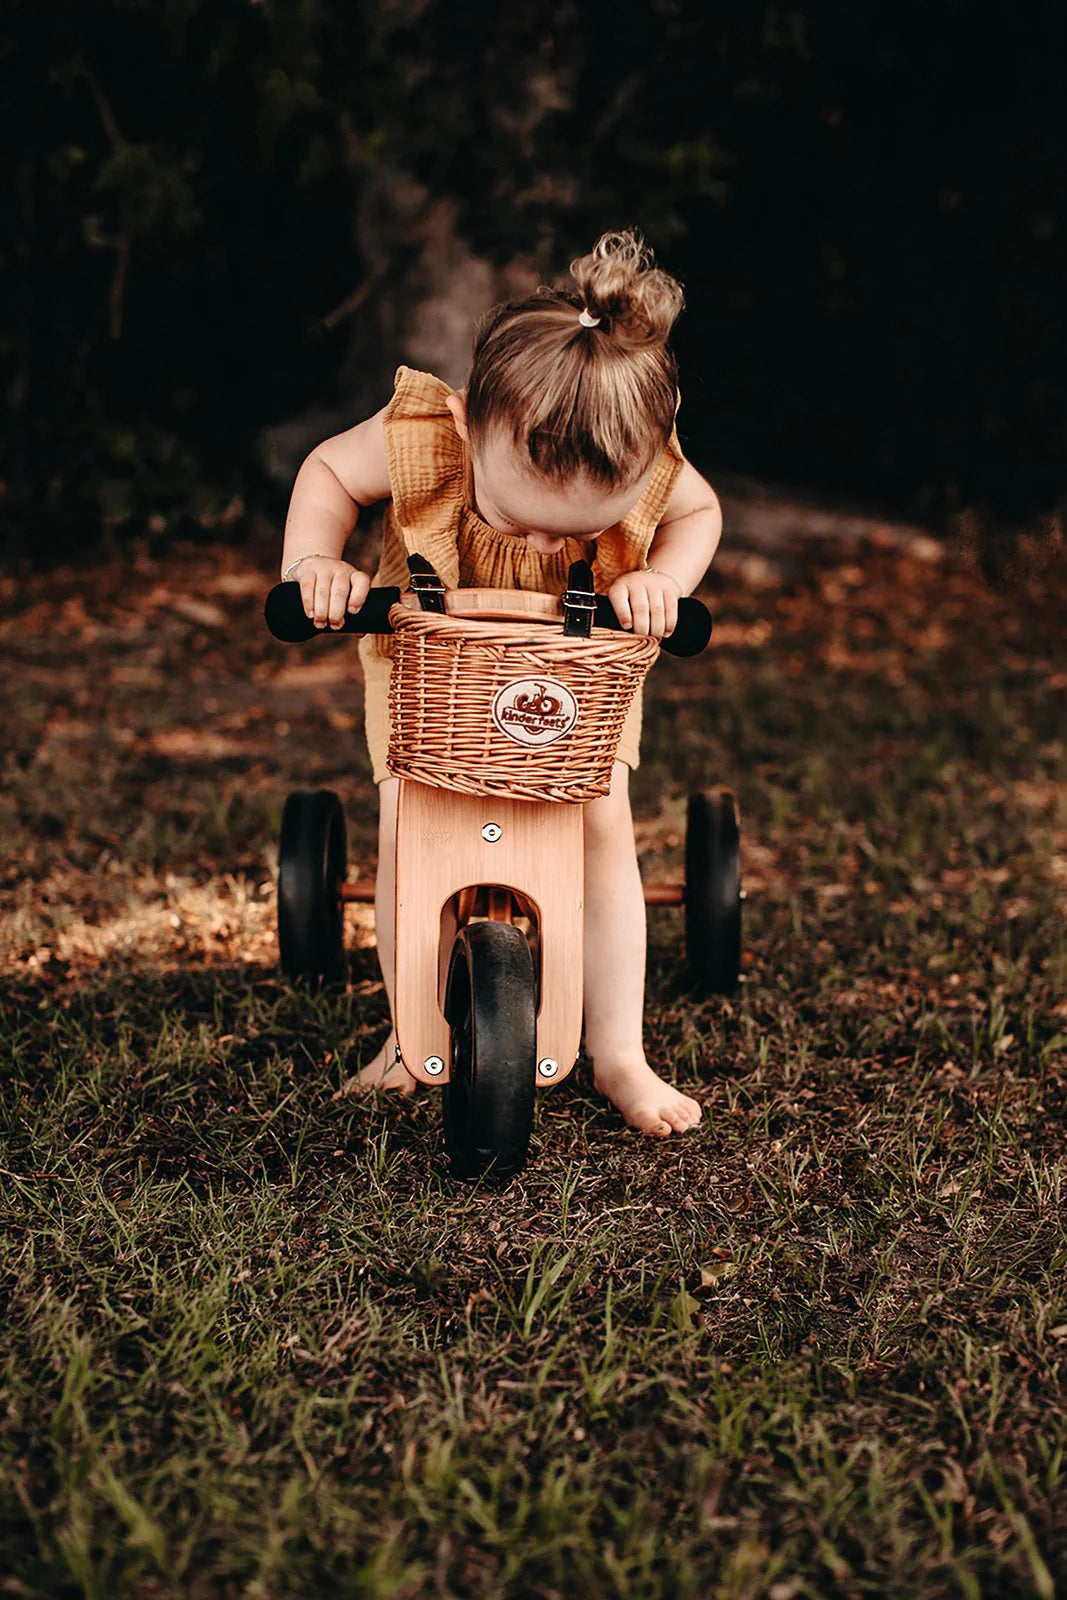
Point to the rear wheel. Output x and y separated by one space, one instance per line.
490 1007
311 872
713 892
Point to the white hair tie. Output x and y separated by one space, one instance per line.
586 320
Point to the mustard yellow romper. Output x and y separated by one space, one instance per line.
432 513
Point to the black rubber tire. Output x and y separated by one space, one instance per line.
713 892
490 1007
311 870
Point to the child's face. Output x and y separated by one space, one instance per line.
513 500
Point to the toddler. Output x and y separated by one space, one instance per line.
561 448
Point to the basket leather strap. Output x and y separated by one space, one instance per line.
426 584
579 602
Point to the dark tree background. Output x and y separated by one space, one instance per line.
223 215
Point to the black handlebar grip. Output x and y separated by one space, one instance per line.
691 632
289 622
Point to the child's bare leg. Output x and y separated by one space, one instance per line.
615 970
385 1071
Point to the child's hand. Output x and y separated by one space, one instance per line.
329 588
646 602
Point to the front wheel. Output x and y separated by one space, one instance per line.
490 1007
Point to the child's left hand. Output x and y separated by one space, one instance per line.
646 602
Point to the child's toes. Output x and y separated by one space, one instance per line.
649 1120
678 1118
681 1113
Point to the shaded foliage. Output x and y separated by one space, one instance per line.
867 205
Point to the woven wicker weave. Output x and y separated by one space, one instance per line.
457 685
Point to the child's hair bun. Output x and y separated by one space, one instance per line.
592 394
637 302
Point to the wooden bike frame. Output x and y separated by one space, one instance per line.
449 843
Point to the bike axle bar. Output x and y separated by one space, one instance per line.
656 894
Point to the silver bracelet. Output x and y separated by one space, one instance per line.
662 574
294 564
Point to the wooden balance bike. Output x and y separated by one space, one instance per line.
506 710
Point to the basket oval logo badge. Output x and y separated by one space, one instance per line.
535 711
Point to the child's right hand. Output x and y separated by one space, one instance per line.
329 588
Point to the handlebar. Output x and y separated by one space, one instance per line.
289 622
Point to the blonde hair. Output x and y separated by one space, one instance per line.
594 401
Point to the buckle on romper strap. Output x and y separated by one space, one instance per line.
426 585
579 602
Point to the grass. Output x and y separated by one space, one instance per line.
258 1343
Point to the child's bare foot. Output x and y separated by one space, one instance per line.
384 1072
646 1100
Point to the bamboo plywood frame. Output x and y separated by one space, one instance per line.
440 850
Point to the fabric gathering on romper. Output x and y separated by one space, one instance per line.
432 513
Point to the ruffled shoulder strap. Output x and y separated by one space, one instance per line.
624 548
427 469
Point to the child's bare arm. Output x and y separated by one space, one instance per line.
679 555
340 475
686 540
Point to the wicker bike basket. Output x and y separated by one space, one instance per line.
509 708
